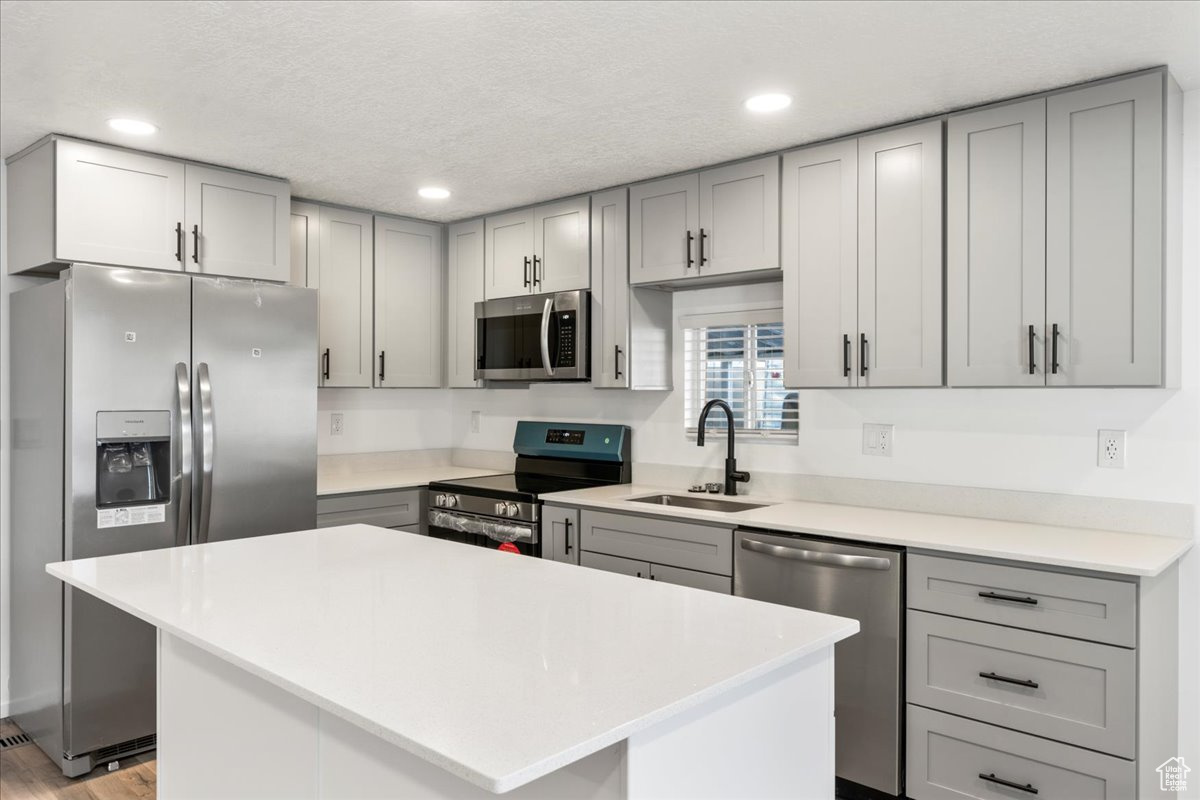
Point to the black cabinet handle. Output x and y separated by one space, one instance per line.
179 242
325 364
1029 601
567 536
991 778
639 574
382 353
846 355
991 676
526 270
196 243
703 236
652 577
617 359
1054 349
536 280
687 251
1032 338
862 354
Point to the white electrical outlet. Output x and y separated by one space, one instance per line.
878 440
336 424
476 416
1110 449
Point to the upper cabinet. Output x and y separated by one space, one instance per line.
408 303
862 261
716 222
537 250
80 201
464 288
345 292
305 243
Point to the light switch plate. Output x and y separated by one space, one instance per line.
1110 449
878 440
336 423
476 417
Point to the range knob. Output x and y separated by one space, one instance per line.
451 500
440 500
501 509
513 509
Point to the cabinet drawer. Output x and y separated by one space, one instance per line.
1084 692
621 566
1096 609
674 544
947 755
690 577
386 509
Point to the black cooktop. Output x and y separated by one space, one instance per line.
521 487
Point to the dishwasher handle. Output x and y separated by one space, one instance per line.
817 556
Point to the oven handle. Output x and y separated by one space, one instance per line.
546 311
496 531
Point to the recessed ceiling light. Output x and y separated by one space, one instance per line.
763 103
433 193
134 126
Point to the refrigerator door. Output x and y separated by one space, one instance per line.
254 408
127 343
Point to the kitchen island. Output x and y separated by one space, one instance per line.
361 662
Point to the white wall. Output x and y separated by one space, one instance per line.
380 420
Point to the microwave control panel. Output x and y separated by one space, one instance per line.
566 339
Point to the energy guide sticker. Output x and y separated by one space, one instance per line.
131 515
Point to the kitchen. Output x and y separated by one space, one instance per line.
949 289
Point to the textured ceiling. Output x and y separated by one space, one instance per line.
511 103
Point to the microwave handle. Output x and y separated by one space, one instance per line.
546 311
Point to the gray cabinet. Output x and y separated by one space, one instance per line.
664 220
688 545
621 566
398 509
560 533
305 246
508 254
408 303
238 224
721 584
631 327
996 246
537 250
344 283
464 288
900 256
1104 233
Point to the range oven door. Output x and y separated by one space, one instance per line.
480 531
541 337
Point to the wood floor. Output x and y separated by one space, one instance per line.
26 774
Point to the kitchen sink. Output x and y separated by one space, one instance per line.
694 501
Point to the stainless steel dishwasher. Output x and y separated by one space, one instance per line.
849 580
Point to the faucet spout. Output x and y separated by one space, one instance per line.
732 476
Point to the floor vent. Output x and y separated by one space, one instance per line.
14 741
124 748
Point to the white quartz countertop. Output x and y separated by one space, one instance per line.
376 480
1080 548
497 667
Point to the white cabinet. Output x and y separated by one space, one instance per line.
305 246
408 303
537 250
716 222
996 246
345 288
1104 233
464 288
238 224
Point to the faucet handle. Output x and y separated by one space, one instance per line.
740 477
713 488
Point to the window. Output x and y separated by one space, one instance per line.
738 358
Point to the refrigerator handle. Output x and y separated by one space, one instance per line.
183 390
206 451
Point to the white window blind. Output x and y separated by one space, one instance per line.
738 357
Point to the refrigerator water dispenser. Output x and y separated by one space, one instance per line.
133 457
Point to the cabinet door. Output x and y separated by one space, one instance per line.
408 303
610 289
508 254
345 286
739 218
621 566
464 288
560 526
560 246
237 224
820 266
664 219
690 577
996 246
305 245
118 207
900 256
1104 233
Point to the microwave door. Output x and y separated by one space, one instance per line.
544 337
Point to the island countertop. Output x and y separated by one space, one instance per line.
496 667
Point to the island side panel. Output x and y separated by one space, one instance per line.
773 737
223 732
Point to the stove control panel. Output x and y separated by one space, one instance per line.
563 436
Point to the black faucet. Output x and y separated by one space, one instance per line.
732 476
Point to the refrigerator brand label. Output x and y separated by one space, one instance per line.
131 336
132 515
256 352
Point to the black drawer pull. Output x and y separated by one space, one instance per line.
1032 340
846 355
991 676
567 536
1029 601
991 778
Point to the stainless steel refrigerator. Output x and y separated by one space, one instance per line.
149 410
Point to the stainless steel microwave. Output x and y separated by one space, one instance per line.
538 337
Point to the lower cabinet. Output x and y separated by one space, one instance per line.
400 510
560 534
621 566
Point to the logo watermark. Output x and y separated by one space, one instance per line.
1172 775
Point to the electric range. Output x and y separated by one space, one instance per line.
503 512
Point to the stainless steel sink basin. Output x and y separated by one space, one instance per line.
696 501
